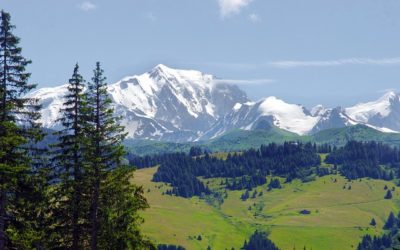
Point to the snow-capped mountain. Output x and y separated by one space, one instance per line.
331 118
263 114
383 113
187 105
164 103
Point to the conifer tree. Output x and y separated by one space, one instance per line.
114 201
70 196
18 130
105 136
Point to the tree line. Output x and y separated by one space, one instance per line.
366 159
77 194
246 169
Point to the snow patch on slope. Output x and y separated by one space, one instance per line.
286 116
364 111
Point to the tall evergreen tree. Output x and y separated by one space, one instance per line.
18 130
114 200
69 207
105 136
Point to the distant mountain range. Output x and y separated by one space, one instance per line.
175 105
237 140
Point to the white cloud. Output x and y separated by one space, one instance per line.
254 18
230 7
150 16
87 6
289 64
243 82
339 62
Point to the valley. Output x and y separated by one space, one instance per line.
337 220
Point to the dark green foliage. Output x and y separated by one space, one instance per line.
390 222
22 201
119 220
305 212
259 241
94 204
70 207
364 159
375 243
322 171
246 182
195 151
274 184
179 174
388 195
373 222
114 201
169 247
199 237
245 195
250 167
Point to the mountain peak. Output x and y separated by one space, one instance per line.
390 95
318 110
162 67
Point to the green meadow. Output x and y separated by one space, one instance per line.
340 213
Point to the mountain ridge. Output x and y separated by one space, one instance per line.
178 105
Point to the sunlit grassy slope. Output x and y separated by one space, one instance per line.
339 215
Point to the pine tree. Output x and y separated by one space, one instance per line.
390 222
114 200
119 218
388 195
19 131
105 136
69 161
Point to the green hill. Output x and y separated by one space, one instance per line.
237 140
244 139
234 140
339 136
337 220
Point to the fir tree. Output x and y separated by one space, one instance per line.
373 222
69 209
114 201
390 222
119 218
388 195
105 136
19 227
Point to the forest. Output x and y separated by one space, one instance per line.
292 160
75 193
366 159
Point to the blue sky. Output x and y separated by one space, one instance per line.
333 52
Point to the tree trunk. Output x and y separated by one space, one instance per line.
75 220
3 197
2 220
76 187
95 208
95 201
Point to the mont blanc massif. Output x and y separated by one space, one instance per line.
186 105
